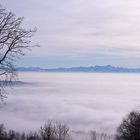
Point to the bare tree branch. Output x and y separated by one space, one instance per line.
130 127
14 39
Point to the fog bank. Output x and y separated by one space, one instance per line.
84 101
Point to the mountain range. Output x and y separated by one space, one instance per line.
105 69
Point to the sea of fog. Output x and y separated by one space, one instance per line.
84 101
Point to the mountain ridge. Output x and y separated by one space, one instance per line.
96 68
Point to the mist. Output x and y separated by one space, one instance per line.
84 101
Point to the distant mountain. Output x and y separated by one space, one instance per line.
30 69
105 69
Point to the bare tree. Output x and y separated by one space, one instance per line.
54 131
130 127
14 39
33 136
101 136
3 132
93 135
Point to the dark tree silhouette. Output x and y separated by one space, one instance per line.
54 131
93 135
3 133
130 127
14 39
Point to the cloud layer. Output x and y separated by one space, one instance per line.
83 101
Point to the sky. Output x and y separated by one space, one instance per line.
80 32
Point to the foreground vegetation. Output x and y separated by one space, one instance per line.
129 129
51 131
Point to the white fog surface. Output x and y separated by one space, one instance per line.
84 101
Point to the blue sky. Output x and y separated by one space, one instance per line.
81 32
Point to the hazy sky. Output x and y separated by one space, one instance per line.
81 32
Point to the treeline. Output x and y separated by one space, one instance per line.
51 131
129 129
100 136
